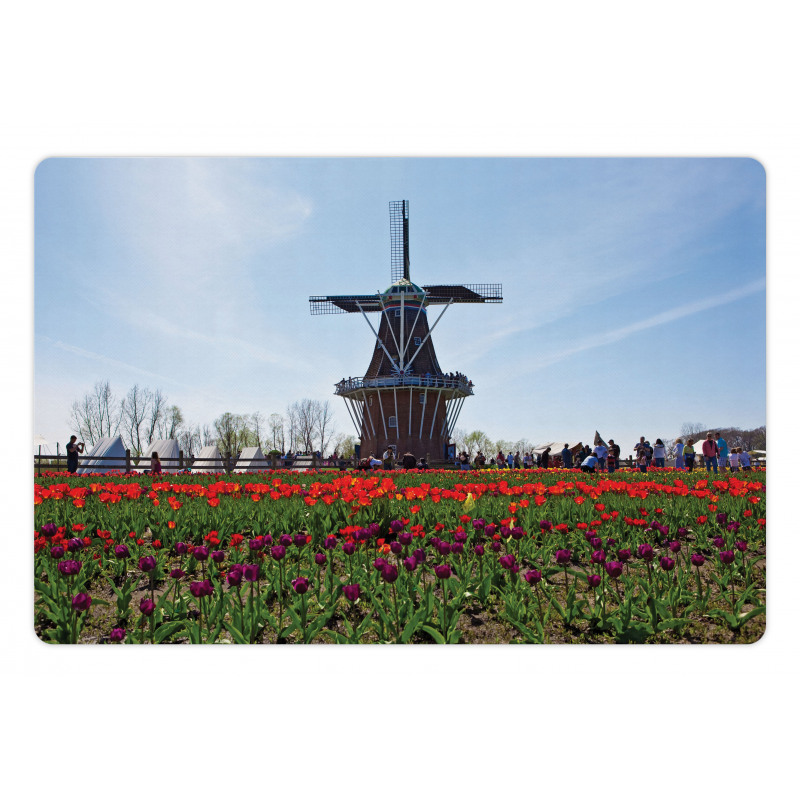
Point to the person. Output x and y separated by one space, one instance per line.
710 453
688 455
409 460
641 459
566 456
480 460
517 462
501 460
364 464
526 461
734 459
679 461
723 452
463 461
639 448
649 452
374 462
423 463
546 458
600 452
659 453
388 458
155 464
744 459
590 463
613 455
73 448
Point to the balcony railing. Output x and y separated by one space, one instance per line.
459 382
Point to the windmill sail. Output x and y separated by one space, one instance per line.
398 230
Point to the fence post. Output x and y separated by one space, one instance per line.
127 460
273 461
313 461
230 464
180 459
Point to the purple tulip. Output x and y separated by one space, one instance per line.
176 573
218 556
395 526
300 585
675 547
285 540
267 539
682 532
506 562
741 546
666 563
379 563
505 531
460 536
203 588
698 560
405 538
235 576
81 602
251 572
200 552
147 563
598 556
278 552
726 556
614 568
74 545
722 518
69 567
479 524
320 559
545 525
478 550
121 551
389 573
181 548
49 529
593 581
533 576
374 528
256 544
563 557
300 540
646 552
57 551
117 635
718 541
419 555
496 546
410 563
349 548
595 542
329 543
351 592
733 527
443 548
610 542
624 554
517 533
490 529
442 571
396 548
147 606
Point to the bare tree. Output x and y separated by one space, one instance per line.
478 440
276 430
190 440
231 433
155 413
207 435
324 423
134 412
97 414
258 428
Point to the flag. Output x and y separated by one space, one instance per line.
599 440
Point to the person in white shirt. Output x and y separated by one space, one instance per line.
659 453
600 452
733 459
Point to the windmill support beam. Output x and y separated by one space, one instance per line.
352 418
378 338
383 416
422 415
366 406
411 360
433 421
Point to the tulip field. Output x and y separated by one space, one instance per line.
513 556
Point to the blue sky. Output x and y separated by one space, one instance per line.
635 289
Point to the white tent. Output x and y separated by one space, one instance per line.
109 447
168 452
251 459
555 447
209 459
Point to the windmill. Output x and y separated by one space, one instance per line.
405 399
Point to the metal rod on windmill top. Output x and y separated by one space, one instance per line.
404 319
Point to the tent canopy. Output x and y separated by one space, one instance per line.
556 447
166 449
109 447
209 459
251 459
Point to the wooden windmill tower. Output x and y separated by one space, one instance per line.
405 399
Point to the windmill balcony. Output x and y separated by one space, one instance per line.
459 384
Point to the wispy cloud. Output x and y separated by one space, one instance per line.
664 318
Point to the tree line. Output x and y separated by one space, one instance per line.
143 415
